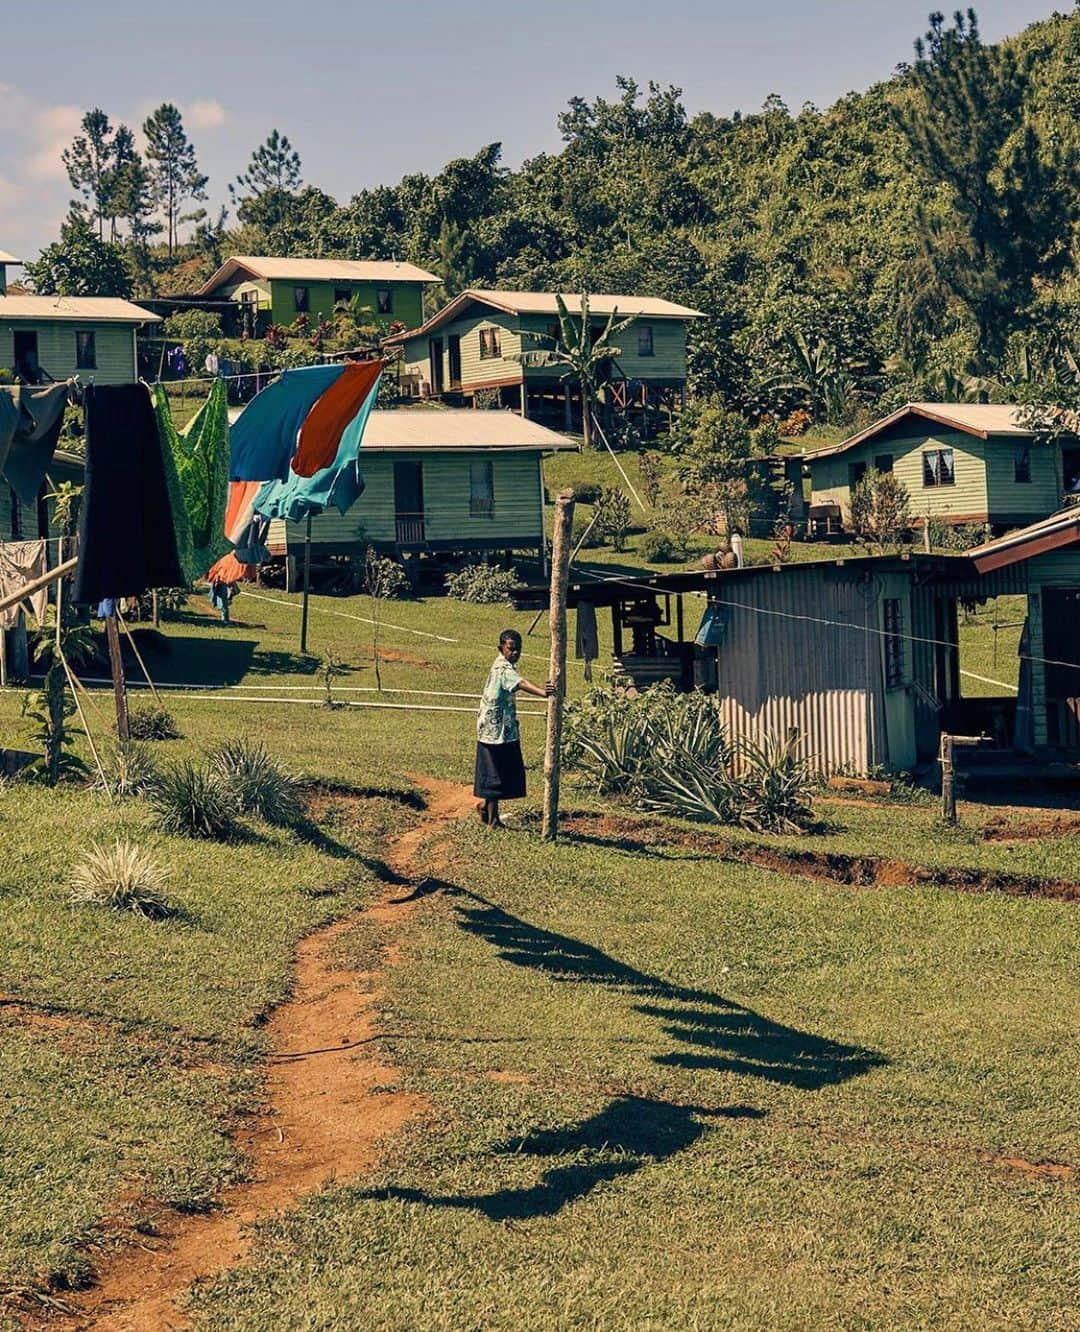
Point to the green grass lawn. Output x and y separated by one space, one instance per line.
728 1097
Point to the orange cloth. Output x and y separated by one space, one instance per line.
239 510
320 435
229 570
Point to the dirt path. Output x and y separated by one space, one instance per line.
325 1116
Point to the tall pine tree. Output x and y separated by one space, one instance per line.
266 191
173 165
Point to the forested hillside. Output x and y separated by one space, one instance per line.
914 240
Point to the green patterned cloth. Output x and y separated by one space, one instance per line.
197 474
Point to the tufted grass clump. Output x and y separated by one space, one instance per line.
122 877
129 770
194 800
260 785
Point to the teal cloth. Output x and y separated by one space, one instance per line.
263 437
340 484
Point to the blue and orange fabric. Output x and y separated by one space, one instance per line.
243 526
263 438
320 435
229 570
339 484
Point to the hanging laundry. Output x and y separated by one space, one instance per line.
127 537
34 444
713 626
20 563
587 643
263 439
320 435
340 484
200 453
245 528
230 570
10 413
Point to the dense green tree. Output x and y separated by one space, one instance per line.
174 167
80 264
89 161
265 194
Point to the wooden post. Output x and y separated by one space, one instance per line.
560 575
948 780
119 687
307 586
926 534
155 609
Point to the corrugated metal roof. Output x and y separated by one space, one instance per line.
6 258
976 418
1060 529
544 302
454 429
271 267
88 309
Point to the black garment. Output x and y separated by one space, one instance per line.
127 540
500 771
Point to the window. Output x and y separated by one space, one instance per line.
85 351
644 341
489 344
384 301
937 468
554 332
1022 463
302 299
855 473
481 490
883 462
16 516
342 295
894 643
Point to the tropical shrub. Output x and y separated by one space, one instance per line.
194 800
122 877
587 492
129 770
150 722
658 546
384 577
482 584
259 784
613 515
958 536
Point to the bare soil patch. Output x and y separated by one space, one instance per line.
1052 1170
327 1114
1033 830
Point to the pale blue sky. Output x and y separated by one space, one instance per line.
370 91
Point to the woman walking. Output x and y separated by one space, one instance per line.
500 771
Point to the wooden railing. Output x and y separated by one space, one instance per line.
410 528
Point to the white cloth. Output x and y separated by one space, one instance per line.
20 563
497 723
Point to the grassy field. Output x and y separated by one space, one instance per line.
667 1089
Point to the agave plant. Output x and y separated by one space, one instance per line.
260 785
122 877
777 784
194 800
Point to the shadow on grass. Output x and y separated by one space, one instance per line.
190 660
631 1132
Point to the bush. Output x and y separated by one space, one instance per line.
384 577
613 515
122 877
658 547
129 770
194 800
668 752
958 536
152 723
481 584
587 493
260 785
580 528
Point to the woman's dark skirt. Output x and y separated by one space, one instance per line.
500 772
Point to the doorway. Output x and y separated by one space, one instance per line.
26 356
435 356
453 349
409 503
1061 648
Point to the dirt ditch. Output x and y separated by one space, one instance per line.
834 866
327 1114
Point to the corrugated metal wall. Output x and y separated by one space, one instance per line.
780 668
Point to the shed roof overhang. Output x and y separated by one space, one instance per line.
1060 529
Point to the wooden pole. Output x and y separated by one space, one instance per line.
926 534
560 576
307 585
119 687
948 780
155 609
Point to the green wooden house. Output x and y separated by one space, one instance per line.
474 344
437 482
58 337
269 290
960 462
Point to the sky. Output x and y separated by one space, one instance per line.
369 92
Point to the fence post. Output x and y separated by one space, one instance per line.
560 575
119 686
948 780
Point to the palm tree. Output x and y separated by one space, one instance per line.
579 353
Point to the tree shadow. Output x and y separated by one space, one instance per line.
710 1030
190 660
629 1133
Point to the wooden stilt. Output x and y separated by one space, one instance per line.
560 573
307 586
948 780
119 685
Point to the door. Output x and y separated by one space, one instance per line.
1061 648
453 347
435 356
409 503
26 356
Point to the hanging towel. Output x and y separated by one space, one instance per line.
10 413
199 476
587 645
321 433
263 439
20 563
126 534
243 526
34 443
340 484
